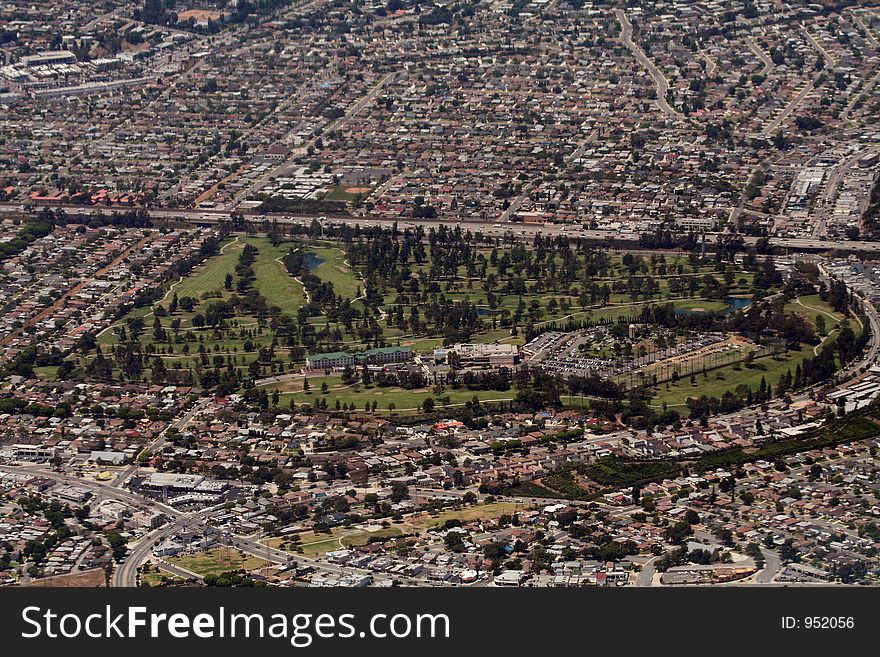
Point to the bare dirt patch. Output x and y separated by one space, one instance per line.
85 579
199 15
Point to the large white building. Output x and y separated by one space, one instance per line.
480 355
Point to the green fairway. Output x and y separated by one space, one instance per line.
334 270
273 280
209 276
810 307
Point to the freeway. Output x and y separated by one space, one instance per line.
520 198
487 227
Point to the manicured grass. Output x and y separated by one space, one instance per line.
217 560
334 270
728 377
210 276
628 308
811 307
696 305
282 291
341 193
359 394
272 278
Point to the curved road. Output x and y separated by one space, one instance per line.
772 566
662 84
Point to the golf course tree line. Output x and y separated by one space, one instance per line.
432 291
217 328
413 283
322 301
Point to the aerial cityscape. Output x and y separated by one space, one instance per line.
416 293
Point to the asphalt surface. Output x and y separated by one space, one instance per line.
491 228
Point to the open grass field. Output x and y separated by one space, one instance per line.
718 381
347 193
810 307
217 560
83 579
312 544
488 511
404 401
154 578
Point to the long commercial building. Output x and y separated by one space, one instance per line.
480 355
338 360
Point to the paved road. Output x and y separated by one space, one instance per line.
660 82
711 66
337 124
646 575
517 230
772 566
827 56
160 441
105 489
487 227
520 198
771 127
760 54
869 35
72 292
864 95
125 574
